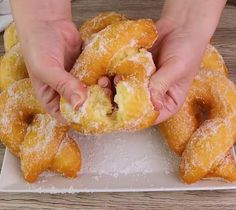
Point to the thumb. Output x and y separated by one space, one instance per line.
70 88
160 83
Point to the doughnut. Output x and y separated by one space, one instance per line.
186 122
47 146
12 67
10 37
119 49
35 137
18 105
204 129
99 22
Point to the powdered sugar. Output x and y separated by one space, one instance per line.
140 152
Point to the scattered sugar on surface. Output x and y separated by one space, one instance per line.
140 152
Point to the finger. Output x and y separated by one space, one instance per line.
108 92
162 80
170 107
117 79
70 88
173 100
104 82
48 99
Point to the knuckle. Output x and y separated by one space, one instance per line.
62 86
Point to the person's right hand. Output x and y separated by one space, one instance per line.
50 44
50 48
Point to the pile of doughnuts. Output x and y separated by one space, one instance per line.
203 131
40 142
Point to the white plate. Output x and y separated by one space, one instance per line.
120 162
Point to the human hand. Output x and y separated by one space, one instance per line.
50 49
50 44
178 51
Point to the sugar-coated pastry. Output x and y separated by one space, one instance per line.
46 145
118 49
204 129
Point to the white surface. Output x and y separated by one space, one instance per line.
118 162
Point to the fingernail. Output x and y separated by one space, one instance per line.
75 101
158 106
104 83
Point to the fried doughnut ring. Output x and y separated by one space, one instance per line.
118 49
214 138
47 146
205 139
35 137
185 122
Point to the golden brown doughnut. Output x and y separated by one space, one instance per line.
203 131
45 146
18 105
36 138
118 49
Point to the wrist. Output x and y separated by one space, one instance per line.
200 17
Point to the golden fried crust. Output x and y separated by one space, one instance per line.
178 129
18 105
225 170
40 145
12 67
95 58
99 22
10 37
67 160
111 53
205 149
213 61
